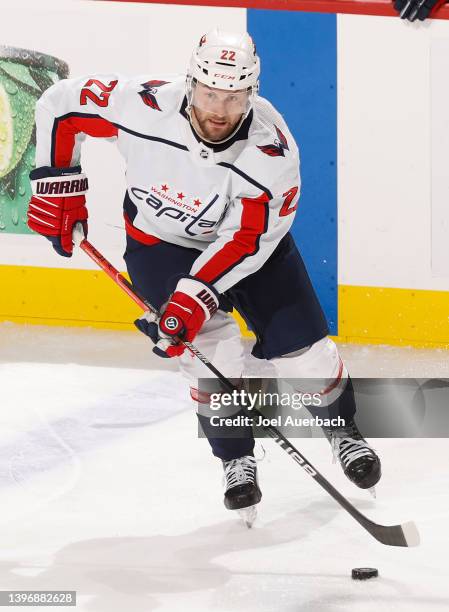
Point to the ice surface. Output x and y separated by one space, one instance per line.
107 490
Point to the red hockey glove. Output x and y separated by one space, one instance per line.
417 9
192 303
58 202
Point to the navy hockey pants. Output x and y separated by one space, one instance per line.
277 302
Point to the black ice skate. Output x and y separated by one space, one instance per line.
359 461
242 489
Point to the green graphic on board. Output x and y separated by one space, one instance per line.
24 76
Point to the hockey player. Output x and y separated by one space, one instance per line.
212 189
414 10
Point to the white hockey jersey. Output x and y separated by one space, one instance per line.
234 201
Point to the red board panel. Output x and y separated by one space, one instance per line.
355 7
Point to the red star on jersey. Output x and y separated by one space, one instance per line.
181 195
164 187
197 202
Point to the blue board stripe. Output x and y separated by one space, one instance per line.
299 76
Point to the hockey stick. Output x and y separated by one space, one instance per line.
123 283
405 534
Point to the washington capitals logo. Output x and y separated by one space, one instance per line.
148 94
277 149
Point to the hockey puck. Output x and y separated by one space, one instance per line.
364 573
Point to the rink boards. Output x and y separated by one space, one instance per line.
374 188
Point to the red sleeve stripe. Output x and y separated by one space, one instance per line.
67 127
244 243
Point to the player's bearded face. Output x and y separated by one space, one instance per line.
217 112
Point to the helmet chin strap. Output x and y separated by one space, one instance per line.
189 111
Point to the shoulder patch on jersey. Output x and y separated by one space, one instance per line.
278 147
148 94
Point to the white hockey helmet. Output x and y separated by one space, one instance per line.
225 60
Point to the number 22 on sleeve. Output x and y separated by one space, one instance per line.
101 99
287 207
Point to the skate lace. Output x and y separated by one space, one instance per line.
348 445
239 471
348 449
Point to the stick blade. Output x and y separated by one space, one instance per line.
411 534
396 535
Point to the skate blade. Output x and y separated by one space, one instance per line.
372 492
248 515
